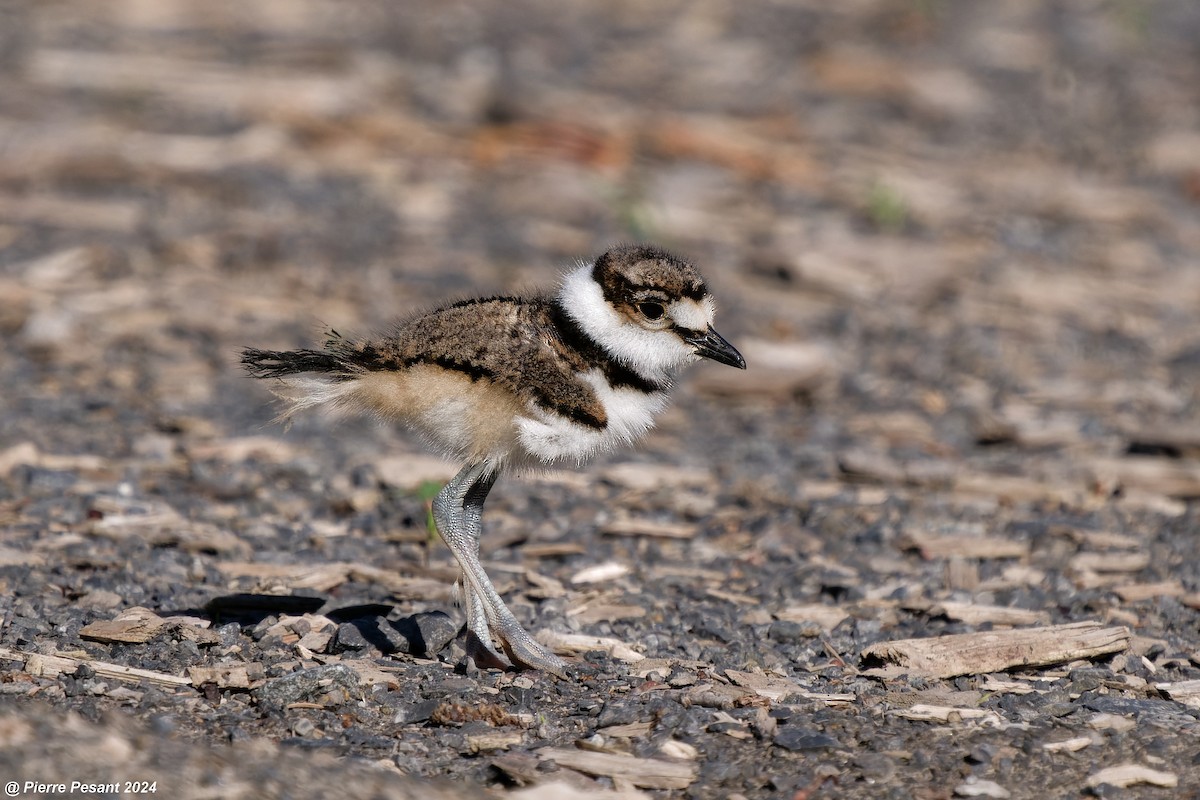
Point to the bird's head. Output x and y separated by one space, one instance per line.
649 309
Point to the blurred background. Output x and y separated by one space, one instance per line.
926 207
956 240
977 217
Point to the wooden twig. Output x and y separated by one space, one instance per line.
51 666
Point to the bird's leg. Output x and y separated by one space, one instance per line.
457 510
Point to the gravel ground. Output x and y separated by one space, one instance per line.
955 241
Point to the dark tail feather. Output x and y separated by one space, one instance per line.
277 364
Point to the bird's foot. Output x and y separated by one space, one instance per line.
520 649
526 651
491 629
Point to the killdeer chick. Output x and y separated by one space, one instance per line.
518 382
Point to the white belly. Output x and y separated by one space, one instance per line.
549 438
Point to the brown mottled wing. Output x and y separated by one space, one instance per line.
509 341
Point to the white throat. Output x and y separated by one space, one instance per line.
655 355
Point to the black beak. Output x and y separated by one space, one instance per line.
712 345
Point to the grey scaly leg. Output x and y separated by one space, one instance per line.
457 510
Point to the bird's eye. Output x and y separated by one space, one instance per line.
651 310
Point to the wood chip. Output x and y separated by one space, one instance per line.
1016 489
1110 562
135 625
1175 479
647 773
673 748
769 686
976 787
116 216
631 730
650 477
1186 692
1104 540
51 666
1127 775
552 549
11 557
410 470
951 715
324 577
966 546
225 676
775 687
776 369
157 523
996 651
977 614
526 769
494 740
600 573
1068 745
992 683
23 454
606 612
1112 722
545 587
828 617
574 644
645 527
271 449
371 674
1177 440
561 790
138 625
1134 592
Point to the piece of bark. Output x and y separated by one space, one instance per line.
647 773
135 625
995 651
